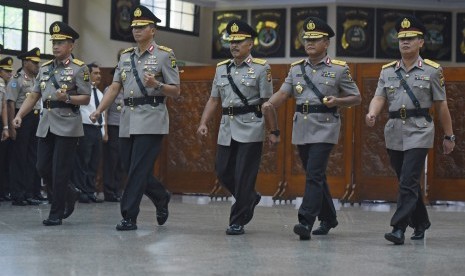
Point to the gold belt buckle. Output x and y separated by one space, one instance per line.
230 111
403 113
47 104
305 108
131 101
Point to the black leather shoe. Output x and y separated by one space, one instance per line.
126 225
71 197
249 216
31 201
51 222
94 198
396 236
419 231
83 198
324 227
112 199
303 231
162 210
235 230
19 202
40 197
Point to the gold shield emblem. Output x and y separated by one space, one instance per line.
137 12
299 88
123 76
42 85
405 24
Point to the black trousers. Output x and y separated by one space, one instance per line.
317 200
138 156
112 168
23 174
4 166
237 168
411 209
87 159
55 161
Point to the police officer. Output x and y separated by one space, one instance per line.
410 86
63 84
23 175
5 75
144 117
6 70
240 86
320 86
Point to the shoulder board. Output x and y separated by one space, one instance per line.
259 61
128 50
47 63
78 62
432 63
297 62
389 64
223 62
164 48
338 62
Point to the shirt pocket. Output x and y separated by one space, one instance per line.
250 118
392 89
327 118
68 112
421 89
223 86
326 86
421 122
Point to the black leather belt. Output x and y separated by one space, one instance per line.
152 100
238 110
92 126
403 113
48 104
318 108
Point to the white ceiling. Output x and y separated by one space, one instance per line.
442 4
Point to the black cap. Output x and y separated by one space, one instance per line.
61 31
314 27
239 30
409 26
6 63
33 55
142 16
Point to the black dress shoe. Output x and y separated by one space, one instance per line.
71 197
324 227
126 225
235 230
419 231
112 199
31 201
249 216
19 202
83 198
396 236
39 197
51 222
94 198
162 210
303 231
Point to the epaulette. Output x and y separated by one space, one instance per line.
297 62
259 61
78 62
432 63
338 62
389 64
164 48
128 50
223 62
47 63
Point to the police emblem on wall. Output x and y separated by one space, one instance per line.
387 45
355 32
220 46
460 48
121 19
438 38
298 16
270 26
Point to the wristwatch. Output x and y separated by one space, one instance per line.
450 138
160 85
68 99
275 132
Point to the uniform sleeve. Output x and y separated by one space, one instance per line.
36 87
380 91
12 90
118 69
83 81
265 85
286 87
215 93
438 85
347 85
169 70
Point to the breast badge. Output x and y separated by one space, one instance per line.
299 88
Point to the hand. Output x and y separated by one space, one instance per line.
331 101
12 133
5 134
267 106
105 137
202 130
149 80
370 120
17 122
94 116
447 146
273 140
61 95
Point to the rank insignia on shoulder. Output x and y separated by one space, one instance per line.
389 64
173 63
47 63
223 62
164 48
86 76
259 61
128 50
297 62
78 62
268 75
338 62
432 63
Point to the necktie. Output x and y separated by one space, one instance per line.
97 102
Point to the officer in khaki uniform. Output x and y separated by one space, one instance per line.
63 84
320 85
242 127
24 180
4 144
144 117
410 86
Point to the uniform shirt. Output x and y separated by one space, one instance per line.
2 95
86 110
253 78
114 111
145 119
62 121
332 77
19 87
427 84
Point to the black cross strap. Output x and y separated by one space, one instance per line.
136 76
52 76
310 83
409 91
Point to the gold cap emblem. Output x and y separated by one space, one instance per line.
310 26
137 12
405 24
234 28
56 28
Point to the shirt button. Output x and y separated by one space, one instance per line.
132 108
425 124
230 101
298 82
242 80
326 82
403 122
421 86
407 75
391 87
327 119
247 83
138 61
132 92
253 117
403 106
56 72
313 71
50 96
306 101
237 72
305 117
